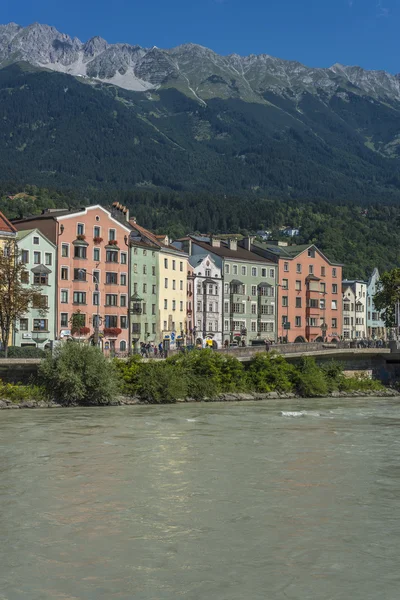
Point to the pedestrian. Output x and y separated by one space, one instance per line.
267 345
160 349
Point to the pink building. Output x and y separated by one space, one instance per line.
93 272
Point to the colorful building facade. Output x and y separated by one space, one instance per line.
309 292
92 273
376 328
207 301
39 256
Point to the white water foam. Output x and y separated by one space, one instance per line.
293 413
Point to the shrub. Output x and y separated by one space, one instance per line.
359 383
24 352
270 371
311 380
21 393
79 373
161 382
129 374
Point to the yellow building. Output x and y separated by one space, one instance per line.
172 290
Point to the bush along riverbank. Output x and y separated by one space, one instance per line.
79 375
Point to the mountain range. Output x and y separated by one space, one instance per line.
120 116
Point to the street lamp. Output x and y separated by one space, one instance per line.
97 324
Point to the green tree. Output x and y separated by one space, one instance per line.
388 296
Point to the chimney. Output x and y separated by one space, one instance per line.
247 242
232 244
215 242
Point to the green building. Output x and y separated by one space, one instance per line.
143 307
39 257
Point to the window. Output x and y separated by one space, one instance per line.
267 309
79 274
334 323
334 288
40 301
210 307
80 251
123 279
174 265
322 304
285 284
40 279
165 263
254 309
322 271
144 269
166 283
96 254
111 321
122 346
173 304
244 270
64 296
286 266
79 297
298 285
144 252
173 284
266 291
135 268
312 322
198 305
135 251
64 319
254 271
112 256
25 256
36 258
285 301
226 288
334 273
254 290
122 301
311 252
181 305
297 321
153 289
123 258
313 303
180 284
111 300
346 307
323 288
227 269
334 304
165 304
153 271
235 270
263 272
135 288
226 325
111 234
23 324
96 232
153 328
47 259
226 307
298 268
64 250
298 302
24 276
238 307
123 322
111 278
208 272
145 288
80 229
181 266
96 299
153 309
266 327
272 273
36 241
40 325
311 269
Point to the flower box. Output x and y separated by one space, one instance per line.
97 240
112 331
81 237
112 243
80 330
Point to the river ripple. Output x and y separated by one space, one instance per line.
253 501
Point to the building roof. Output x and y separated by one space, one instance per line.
23 233
290 252
197 259
5 225
225 252
154 239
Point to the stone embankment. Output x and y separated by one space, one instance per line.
233 397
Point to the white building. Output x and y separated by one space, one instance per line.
354 309
207 301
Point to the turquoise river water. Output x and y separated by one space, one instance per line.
247 501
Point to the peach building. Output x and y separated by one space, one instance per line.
309 292
92 272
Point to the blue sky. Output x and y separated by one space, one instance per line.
315 32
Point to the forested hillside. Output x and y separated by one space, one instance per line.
359 237
57 130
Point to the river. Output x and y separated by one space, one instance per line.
246 501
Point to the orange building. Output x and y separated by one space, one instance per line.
93 272
309 292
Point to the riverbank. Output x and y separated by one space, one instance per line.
6 404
